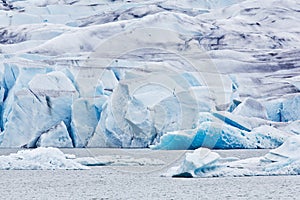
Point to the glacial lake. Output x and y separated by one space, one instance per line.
141 181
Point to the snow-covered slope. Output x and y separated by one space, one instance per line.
125 73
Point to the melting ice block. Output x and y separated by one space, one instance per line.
39 159
200 161
284 160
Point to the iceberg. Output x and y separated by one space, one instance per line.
117 160
49 158
39 159
195 163
283 160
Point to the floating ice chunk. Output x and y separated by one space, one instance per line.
39 159
200 161
57 136
284 160
251 108
118 161
91 161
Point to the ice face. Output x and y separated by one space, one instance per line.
2 95
52 104
85 116
177 140
142 109
54 52
57 136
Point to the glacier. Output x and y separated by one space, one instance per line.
138 74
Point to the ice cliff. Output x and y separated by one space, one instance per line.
159 74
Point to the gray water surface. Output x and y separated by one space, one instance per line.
141 182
